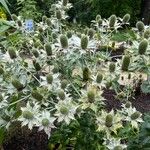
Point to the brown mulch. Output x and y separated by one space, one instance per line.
141 101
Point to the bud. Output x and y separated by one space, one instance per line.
14 17
125 63
49 79
112 67
98 17
69 34
109 120
19 23
1 98
35 53
86 74
58 14
27 115
108 84
129 76
64 41
118 148
61 94
1 70
65 2
16 83
143 47
112 20
64 110
36 65
48 49
126 18
55 69
100 22
48 21
54 35
45 122
99 78
91 96
44 19
147 33
128 105
84 42
12 52
40 29
91 33
140 26
135 115
37 44
64 84
36 95
86 31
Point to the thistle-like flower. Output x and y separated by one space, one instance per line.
91 98
109 122
65 110
132 115
46 122
30 115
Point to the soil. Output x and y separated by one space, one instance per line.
141 101
27 140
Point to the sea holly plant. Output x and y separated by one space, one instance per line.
55 80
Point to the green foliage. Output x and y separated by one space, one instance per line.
142 141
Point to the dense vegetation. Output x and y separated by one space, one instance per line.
71 86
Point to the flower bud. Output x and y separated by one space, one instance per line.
36 65
109 120
48 49
126 18
91 96
125 63
14 17
99 78
91 33
135 115
61 94
27 115
12 52
45 122
69 34
86 74
140 26
19 23
64 110
112 67
112 20
84 42
64 84
54 35
64 41
143 47
147 34
44 19
16 83
1 70
40 29
49 78
48 21
58 14
98 17
128 105
36 95
118 148
35 53
65 2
